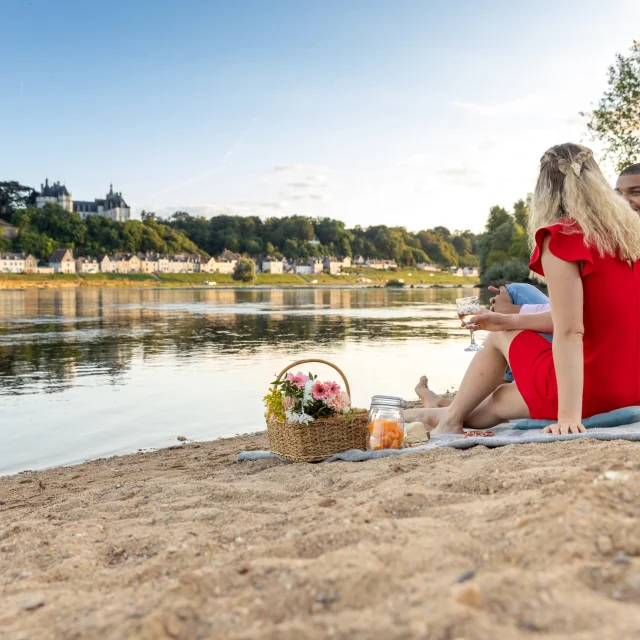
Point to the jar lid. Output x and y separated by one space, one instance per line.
387 401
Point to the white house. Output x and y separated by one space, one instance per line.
302 269
471 271
381 264
346 262
62 261
227 261
316 265
18 263
426 266
87 265
206 265
332 265
273 266
360 261
106 265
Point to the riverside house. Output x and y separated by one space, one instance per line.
62 261
227 261
18 263
126 263
332 265
272 265
87 265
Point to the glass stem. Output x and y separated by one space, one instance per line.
473 338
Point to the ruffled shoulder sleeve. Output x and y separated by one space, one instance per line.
567 243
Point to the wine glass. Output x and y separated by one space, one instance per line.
469 306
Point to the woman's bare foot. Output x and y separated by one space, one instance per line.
430 399
445 426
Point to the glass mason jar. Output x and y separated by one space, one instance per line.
386 423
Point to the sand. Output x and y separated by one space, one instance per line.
524 541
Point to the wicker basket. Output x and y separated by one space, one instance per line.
321 438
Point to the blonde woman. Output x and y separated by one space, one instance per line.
586 242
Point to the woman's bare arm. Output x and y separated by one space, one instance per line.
566 296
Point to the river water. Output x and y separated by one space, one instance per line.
88 373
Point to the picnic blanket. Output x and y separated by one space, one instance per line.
503 435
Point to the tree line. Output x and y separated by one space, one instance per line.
42 231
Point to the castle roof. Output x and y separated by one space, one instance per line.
54 190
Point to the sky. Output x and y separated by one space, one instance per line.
397 112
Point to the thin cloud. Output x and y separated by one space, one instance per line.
207 174
522 106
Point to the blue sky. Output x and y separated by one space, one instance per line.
404 112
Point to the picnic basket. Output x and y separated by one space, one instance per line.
321 438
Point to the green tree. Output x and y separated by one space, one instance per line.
37 244
14 195
616 120
245 270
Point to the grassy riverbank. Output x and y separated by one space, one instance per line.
377 278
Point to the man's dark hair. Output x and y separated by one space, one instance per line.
631 170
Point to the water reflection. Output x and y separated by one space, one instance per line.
53 340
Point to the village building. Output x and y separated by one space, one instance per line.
62 261
272 265
87 265
226 262
206 265
426 266
381 264
347 262
316 265
18 263
106 265
149 263
302 268
332 265
359 261
126 263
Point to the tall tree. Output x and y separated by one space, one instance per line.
14 195
616 120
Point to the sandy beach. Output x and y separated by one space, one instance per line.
519 542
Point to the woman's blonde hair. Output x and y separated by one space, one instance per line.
571 186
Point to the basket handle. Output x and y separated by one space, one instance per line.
333 366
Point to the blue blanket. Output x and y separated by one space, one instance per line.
504 435
627 415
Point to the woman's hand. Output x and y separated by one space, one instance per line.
565 426
489 321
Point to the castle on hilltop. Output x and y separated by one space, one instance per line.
113 206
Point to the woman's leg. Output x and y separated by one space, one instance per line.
504 404
482 382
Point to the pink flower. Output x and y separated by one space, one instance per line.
334 388
298 379
340 403
321 391
288 403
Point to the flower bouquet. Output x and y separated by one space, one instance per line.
309 420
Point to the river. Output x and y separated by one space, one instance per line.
88 373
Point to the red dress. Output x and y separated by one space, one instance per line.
611 332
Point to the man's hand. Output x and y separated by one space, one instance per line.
501 302
489 321
565 426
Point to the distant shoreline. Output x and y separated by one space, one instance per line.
13 282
